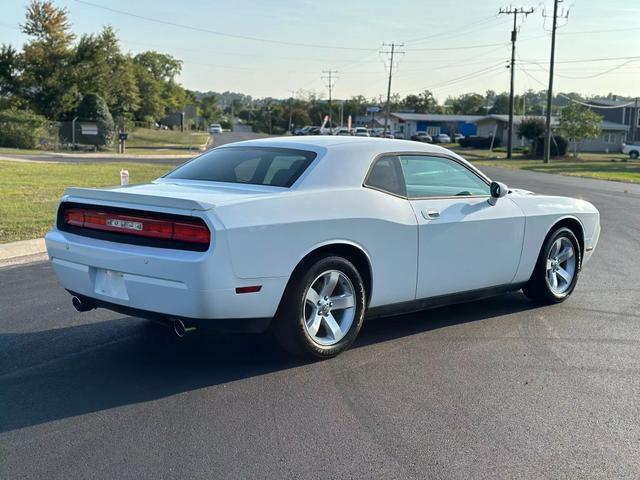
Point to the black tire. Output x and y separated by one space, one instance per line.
537 288
633 155
288 326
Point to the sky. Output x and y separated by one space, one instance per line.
279 48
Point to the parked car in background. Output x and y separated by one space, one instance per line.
422 137
302 131
342 131
457 137
283 233
441 138
632 150
361 132
215 128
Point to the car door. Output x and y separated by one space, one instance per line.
464 243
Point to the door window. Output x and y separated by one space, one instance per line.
430 176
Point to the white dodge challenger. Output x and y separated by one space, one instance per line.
307 236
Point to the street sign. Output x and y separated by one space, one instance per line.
373 109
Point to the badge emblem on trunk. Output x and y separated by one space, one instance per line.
125 224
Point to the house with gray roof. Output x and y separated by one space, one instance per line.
408 124
610 140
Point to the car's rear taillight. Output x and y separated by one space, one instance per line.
138 224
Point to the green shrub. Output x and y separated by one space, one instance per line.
479 142
94 108
22 129
559 146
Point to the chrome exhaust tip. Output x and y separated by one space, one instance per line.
81 305
180 329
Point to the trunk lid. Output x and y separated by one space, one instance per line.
183 195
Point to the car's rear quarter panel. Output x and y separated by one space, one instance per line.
271 236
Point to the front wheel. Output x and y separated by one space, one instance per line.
556 272
322 309
633 155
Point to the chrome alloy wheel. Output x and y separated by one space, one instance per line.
561 266
330 307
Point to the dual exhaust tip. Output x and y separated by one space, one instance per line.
177 325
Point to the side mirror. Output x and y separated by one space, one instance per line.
498 190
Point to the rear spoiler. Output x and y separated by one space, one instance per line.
81 195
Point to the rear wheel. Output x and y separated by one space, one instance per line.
556 272
322 309
633 155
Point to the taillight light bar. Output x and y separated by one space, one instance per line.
139 226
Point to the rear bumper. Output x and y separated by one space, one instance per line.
159 282
231 325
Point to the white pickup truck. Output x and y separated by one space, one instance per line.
632 150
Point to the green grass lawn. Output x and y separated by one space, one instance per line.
602 169
152 138
31 191
144 141
604 166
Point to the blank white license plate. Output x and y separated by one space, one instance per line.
110 283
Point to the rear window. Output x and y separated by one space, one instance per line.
277 167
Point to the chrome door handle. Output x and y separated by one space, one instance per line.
431 213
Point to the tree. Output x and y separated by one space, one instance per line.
532 129
155 76
94 108
468 104
422 103
10 65
46 57
500 104
578 123
100 67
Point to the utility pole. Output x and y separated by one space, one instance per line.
391 54
329 77
634 119
292 92
514 34
547 134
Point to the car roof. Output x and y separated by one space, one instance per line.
383 145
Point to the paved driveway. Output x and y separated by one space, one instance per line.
493 389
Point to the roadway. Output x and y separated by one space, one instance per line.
499 388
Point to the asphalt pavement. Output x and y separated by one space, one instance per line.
499 388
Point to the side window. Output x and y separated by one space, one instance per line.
385 175
427 176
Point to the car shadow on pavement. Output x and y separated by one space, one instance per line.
55 374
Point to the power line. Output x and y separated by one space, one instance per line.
330 78
463 47
391 53
461 30
514 35
215 32
547 136
579 102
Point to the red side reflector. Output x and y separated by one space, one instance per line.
252 289
139 225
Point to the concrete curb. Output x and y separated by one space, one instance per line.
25 251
